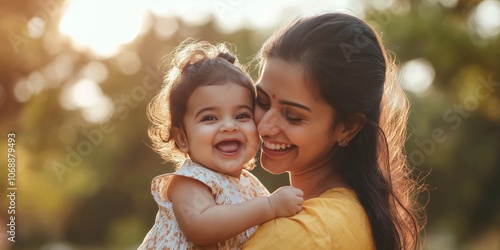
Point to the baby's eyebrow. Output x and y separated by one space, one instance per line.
203 110
245 107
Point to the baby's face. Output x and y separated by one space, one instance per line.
220 129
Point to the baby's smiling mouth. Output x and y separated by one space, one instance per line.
228 146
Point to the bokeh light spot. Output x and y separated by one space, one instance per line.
129 62
36 27
96 71
417 75
21 91
87 95
485 19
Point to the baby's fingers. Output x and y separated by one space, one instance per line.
300 202
299 192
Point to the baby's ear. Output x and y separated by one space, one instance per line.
181 140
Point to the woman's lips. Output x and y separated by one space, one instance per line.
276 149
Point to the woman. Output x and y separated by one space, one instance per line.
330 113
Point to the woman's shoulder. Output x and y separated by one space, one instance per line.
335 220
336 200
338 209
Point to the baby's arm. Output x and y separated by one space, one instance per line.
205 223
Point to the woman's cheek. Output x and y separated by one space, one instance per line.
258 114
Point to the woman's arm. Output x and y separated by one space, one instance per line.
205 223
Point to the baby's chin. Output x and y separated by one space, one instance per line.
231 167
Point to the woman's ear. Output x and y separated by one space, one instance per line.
352 125
180 140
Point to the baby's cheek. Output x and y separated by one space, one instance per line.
251 133
253 137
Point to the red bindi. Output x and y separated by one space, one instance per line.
274 96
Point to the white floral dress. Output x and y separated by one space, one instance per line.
166 233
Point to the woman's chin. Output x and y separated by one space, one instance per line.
270 166
274 172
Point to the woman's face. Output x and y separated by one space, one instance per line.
295 125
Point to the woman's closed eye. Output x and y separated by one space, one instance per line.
292 117
263 103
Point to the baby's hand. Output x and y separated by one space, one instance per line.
286 201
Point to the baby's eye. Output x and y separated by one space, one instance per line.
244 116
208 118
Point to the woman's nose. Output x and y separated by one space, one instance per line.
270 124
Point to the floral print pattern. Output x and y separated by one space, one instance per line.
166 233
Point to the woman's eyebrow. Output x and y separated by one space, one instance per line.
294 104
282 102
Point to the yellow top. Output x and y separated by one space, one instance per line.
334 220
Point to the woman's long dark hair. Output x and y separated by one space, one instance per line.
346 64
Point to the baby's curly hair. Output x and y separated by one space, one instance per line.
193 64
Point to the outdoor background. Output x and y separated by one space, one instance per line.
76 76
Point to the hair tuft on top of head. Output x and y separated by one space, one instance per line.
228 57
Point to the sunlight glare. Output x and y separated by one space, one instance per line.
102 26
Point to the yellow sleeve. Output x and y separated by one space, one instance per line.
335 222
288 233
